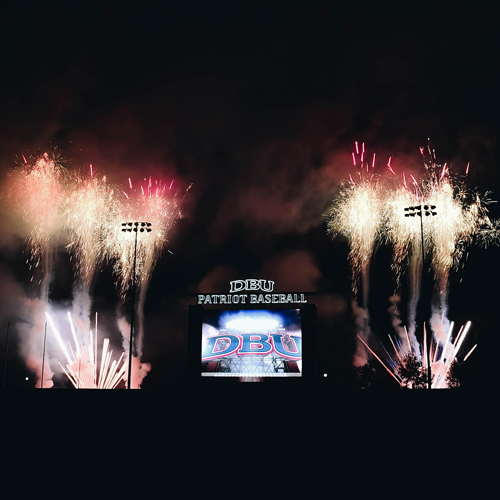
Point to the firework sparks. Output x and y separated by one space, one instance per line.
461 217
137 238
393 374
37 190
81 365
369 209
356 215
444 354
90 210
155 204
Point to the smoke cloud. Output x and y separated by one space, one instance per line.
139 370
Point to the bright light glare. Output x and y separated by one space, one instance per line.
249 325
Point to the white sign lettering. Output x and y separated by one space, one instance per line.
252 285
267 298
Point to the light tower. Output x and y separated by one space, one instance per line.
136 227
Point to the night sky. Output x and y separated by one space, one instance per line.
258 105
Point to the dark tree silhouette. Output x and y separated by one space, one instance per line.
453 376
412 373
365 376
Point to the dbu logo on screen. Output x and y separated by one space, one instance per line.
253 344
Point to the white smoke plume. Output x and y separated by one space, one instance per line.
35 363
139 369
399 329
34 333
82 305
361 320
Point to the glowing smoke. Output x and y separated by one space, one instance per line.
139 369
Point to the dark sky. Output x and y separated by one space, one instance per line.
258 104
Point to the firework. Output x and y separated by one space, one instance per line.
138 237
458 218
156 204
90 211
81 361
403 229
357 215
443 354
402 232
433 219
446 220
37 189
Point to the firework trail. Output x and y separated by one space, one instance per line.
154 207
447 221
36 190
443 354
442 219
405 236
356 215
462 219
434 219
91 208
50 200
90 211
81 365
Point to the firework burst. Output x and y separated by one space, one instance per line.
90 211
371 209
153 203
356 215
461 221
81 365
37 189
443 355
138 237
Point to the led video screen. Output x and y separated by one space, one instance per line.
251 345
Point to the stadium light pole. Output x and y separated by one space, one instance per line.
43 354
422 210
136 227
6 355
